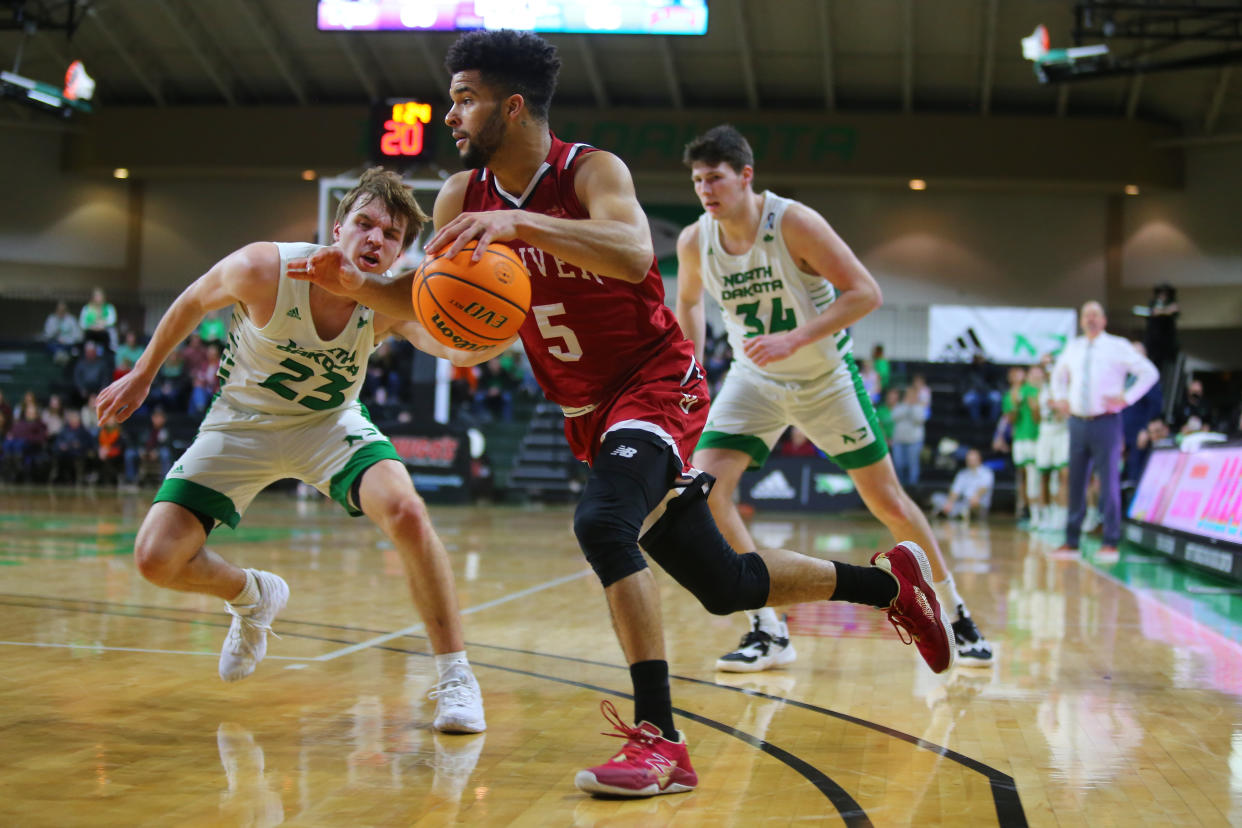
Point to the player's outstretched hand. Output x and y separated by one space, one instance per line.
121 399
329 269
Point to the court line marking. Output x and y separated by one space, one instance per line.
103 648
414 629
1006 799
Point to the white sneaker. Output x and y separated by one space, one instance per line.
759 650
246 643
459 703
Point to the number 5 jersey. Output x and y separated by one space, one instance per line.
763 291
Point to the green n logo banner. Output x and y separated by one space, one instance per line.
1018 336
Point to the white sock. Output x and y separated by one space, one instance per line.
946 591
447 661
250 592
769 621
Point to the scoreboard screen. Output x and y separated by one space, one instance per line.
652 17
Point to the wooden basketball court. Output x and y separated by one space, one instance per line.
1109 704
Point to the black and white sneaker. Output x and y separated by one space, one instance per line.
759 650
973 650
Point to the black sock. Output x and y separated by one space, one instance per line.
864 585
652 701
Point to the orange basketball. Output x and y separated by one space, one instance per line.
472 305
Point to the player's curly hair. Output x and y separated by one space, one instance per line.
720 145
397 199
520 63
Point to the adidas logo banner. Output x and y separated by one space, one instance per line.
774 486
1014 336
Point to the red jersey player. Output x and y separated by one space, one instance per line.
604 346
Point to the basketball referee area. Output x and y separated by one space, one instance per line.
994 165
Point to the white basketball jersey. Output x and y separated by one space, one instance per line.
284 367
763 291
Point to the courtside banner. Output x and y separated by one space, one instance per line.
1015 336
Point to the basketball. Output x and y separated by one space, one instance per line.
471 305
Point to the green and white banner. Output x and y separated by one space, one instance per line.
1005 335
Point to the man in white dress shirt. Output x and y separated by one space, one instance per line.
1089 385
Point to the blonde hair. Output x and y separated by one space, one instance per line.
397 199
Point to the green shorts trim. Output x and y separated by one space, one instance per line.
745 443
198 497
874 453
361 460
863 457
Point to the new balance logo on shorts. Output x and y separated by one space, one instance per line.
624 451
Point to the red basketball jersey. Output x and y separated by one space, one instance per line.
586 335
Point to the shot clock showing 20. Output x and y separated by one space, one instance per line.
400 129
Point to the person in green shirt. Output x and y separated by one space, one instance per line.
98 320
884 413
213 329
1021 408
129 349
883 369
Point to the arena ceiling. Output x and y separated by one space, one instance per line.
845 56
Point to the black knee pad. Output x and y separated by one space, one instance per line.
687 545
629 476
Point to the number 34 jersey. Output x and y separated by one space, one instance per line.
763 291
284 368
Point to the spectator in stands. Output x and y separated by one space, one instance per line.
71 449
6 409
883 368
1160 339
1134 419
53 415
6 423
153 451
129 349
1090 384
214 330
1154 434
796 444
123 367
383 382
719 356
463 385
98 321
193 355
92 372
1192 405
171 388
982 401
971 492
919 383
494 395
909 417
884 412
62 334
90 421
1021 409
111 453
870 380
26 444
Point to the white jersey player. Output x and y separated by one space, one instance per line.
288 406
788 288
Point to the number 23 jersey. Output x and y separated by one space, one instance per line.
284 368
586 335
763 291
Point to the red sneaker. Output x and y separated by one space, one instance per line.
648 764
916 609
